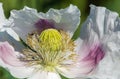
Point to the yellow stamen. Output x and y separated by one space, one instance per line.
51 38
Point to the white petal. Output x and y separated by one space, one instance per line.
19 72
54 14
70 18
23 21
76 69
109 67
102 21
67 19
70 72
45 75
12 34
2 17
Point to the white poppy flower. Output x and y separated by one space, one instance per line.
101 32
48 49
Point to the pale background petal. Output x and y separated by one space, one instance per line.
109 66
102 25
101 21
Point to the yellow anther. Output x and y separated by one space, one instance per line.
51 39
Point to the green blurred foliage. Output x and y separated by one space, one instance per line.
4 74
45 5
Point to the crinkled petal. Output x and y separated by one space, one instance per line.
45 75
23 21
54 15
26 19
109 67
9 60
66 19
101 21
102 26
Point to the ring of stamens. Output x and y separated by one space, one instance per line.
52 49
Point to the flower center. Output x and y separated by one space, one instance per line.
49 49
51 39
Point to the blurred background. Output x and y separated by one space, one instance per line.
45 5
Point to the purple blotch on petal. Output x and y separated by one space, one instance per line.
43 24
95 55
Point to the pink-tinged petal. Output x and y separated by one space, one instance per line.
89 55
8 55
109 67
45 75
94 56
9 60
